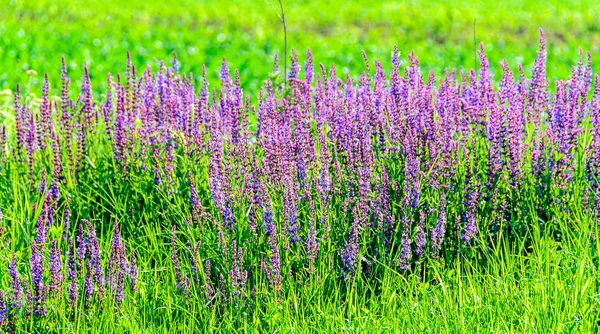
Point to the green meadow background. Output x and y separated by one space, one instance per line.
36 33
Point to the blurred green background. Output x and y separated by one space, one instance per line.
36 33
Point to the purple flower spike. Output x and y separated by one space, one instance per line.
438 232
274 272
15 282
351 251
117 266
94 259
420 238
72 273
88 281
208 283
133 271
56 275
405 254
3 308
237 275
312 246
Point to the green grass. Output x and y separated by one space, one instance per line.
548 286
35 34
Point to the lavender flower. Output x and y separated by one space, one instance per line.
72 273
54 191
42 185
420 238
237 275
55 264
15 282
133 270
195 261
208 284
405 254
95 264
117 266
66 222
312 246
438 232
3 308
88 285
274 273
37 272
350 253
470 230
198 210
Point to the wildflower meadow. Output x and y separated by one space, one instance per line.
400 198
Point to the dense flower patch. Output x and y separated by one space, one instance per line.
388 171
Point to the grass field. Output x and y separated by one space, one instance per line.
35 34
388 203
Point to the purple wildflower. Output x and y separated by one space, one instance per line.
37 275
405 253
420 238
312 246
95 265
88 281
72 273
55 264
438 232
42 185
208 284
82 247
198 210
274 273
195 261
117 266
237 275
3 308
15 282
133 270
350 253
